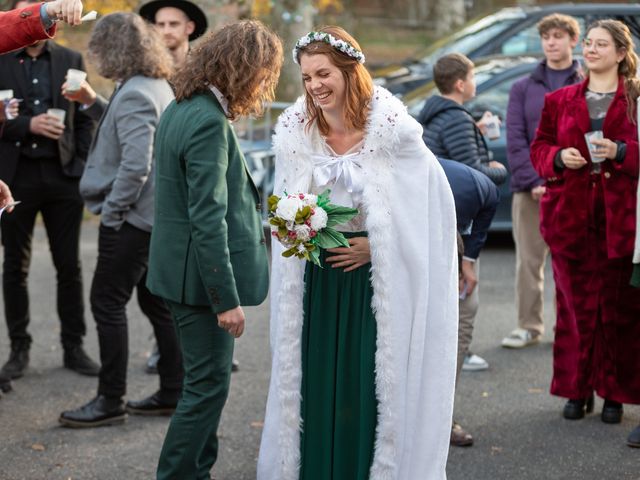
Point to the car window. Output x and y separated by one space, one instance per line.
527 41
494 99
467 43
475 34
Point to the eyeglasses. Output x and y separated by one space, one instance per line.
596 45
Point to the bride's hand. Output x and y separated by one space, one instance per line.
351 258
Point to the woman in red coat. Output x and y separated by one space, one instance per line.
588 220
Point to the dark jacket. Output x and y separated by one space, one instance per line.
476 198
74 144
207 244
565 206
450 132
526 99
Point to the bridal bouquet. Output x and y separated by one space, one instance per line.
304 223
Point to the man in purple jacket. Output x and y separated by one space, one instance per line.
559 35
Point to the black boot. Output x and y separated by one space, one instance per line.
17 363
76 359
575 409
5 383
160 403
634 438
98 412
611 412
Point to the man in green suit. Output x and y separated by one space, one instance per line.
208 255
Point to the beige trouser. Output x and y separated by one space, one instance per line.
531 254
467 310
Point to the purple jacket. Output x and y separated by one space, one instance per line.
526 100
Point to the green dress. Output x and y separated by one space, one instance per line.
339 407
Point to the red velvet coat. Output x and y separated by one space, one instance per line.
563 208
22 27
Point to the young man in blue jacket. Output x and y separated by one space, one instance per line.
558 35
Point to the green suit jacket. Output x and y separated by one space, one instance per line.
207 242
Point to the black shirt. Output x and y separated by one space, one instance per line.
37 73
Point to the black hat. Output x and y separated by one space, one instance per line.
148 11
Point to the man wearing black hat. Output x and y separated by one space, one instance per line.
179 22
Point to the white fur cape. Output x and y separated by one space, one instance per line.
410 219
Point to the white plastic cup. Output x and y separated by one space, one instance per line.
6 95
58 113
594 135
75 79
492 127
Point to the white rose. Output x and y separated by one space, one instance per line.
310 199
318 219
302 232
287 208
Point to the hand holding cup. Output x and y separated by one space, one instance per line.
600 148
84 94
47 125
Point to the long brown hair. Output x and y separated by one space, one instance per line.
627 68
123 45
358 82
241 59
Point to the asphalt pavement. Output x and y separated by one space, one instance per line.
518 428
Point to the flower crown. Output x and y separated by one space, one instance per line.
341 45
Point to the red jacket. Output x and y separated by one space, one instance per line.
564 206
21 27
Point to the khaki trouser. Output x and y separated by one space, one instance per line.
467 310
531 254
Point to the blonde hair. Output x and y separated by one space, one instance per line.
358 82
242 60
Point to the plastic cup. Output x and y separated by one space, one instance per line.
75 79
492 125
6 95
594 135
58 113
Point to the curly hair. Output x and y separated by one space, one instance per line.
561 22
242 60
627 68
358 82
123 45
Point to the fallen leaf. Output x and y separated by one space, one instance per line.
38 447
257 424
496 450
535 390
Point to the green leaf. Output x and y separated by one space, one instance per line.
323 198
315 257
303 215
340 215
272 202
290 252
330 238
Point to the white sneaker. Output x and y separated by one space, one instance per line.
520 338
474 363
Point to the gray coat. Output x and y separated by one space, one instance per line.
118 181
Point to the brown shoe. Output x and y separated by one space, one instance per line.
459 437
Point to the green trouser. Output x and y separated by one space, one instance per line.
191 446
339 406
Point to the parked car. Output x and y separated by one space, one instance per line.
510 31
494 77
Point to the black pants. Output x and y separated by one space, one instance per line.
122 266
42 187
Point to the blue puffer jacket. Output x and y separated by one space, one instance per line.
450 132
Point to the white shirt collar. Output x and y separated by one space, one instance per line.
224 103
